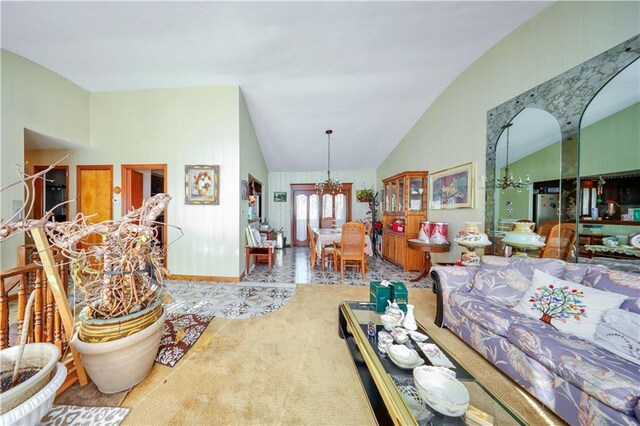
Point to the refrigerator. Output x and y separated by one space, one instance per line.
545 207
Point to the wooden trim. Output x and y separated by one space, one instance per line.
126 197
79 168
39 208
206 278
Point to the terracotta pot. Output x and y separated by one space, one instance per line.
120 364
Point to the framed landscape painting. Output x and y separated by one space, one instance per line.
452 188
202 185
279 197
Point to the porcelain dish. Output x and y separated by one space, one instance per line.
418 337
388 321
440 389
404 357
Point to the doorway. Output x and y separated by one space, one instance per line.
142 181
51 190
308 206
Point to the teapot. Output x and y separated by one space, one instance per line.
394 310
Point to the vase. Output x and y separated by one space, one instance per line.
409 321
472 236
118 365
202 192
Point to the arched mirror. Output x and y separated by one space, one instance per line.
527 172
610 173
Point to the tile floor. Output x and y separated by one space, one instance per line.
291 265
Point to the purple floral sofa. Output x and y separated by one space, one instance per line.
578 380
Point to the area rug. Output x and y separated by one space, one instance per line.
71 415
89 396
180 333
223 300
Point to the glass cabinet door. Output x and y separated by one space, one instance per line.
401 195
394 196
416 192
387 198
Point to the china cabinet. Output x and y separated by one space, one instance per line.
404 206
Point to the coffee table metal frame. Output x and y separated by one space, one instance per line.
384 398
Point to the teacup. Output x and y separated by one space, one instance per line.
400 335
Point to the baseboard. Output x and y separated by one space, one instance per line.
206 278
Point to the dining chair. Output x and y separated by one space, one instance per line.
328 253
560 241
352 247
327 222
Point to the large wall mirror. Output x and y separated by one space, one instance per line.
567 153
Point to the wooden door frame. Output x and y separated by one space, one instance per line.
80 168
39 209
126 197
312 187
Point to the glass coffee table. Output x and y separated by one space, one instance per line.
391 390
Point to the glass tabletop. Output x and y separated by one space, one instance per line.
484 406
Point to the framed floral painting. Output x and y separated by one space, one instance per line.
452 188
202 185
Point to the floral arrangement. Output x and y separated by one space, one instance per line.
202 182
558 302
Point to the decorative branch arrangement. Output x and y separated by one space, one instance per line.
118 275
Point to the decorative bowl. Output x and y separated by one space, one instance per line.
418 337
439 387
404 357
610 241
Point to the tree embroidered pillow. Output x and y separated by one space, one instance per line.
569 307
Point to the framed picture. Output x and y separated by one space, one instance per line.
202 185
280 197
452 188
243 190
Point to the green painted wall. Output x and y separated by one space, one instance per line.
37 99
452 130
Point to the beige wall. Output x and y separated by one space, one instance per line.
34 98
452 130
251 162
280 213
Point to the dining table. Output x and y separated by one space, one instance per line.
328 236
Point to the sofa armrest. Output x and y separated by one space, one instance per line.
447 279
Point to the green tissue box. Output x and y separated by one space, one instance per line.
400 295
378 295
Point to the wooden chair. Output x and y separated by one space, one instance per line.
352 247
327 222
327 253
545 228
560 241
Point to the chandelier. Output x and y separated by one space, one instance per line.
329 185
508 181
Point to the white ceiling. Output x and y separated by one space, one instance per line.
368 70
534 129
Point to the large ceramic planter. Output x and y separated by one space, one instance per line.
105 330
118 365
31 411
39 356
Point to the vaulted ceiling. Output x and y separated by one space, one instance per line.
368 70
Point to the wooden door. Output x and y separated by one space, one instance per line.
135 191
93 195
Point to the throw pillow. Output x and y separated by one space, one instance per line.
569 307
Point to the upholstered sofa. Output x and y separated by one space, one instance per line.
579 380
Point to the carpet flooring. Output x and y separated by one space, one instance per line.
290 367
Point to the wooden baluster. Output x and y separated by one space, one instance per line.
49 315
37 323
4 317
23 295
57 327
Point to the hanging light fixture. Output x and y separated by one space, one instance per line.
329 185
508 181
